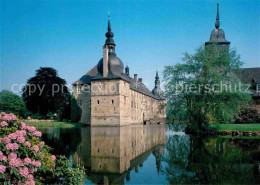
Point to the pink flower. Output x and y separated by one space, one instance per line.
36 163
53 157
20 133
21 139
31 129
31 182
24 172
12 146
30 177
14 163
9 117
12 136
27 161
28 144
35 148
3 158
7 140
15 146
37 133
3 123
12 155
2 168
23 126
9 146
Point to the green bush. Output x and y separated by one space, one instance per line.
37 116
50 115
75 110
12 103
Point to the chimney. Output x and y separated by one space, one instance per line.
105 61
140 80
135 77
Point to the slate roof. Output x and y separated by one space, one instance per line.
247 75
94 75
136 86
86 79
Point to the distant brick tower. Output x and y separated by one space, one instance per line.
217 35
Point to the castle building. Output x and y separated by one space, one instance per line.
108 96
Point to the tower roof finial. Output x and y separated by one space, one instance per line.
109 34
217 23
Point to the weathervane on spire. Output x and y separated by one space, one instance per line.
108 15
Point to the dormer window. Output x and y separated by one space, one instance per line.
257 87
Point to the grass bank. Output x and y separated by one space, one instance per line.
54 124
253 127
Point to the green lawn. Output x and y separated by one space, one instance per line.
54 124
236 127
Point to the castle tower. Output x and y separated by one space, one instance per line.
157 89
218 35
107 88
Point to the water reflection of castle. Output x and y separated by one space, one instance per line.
114 152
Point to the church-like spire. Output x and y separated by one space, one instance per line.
217 35
157 89
157 81
109 35
217 23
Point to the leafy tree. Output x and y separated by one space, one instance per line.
12 103
46 92
204 88
75 110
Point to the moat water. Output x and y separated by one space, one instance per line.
156 155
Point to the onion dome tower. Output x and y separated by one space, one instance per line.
218 35
157 89
115 65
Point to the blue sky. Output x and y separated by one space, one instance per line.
69 35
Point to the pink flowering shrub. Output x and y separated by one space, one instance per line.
24 158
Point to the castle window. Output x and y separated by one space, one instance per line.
112 101
98 102
80 102
257 87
